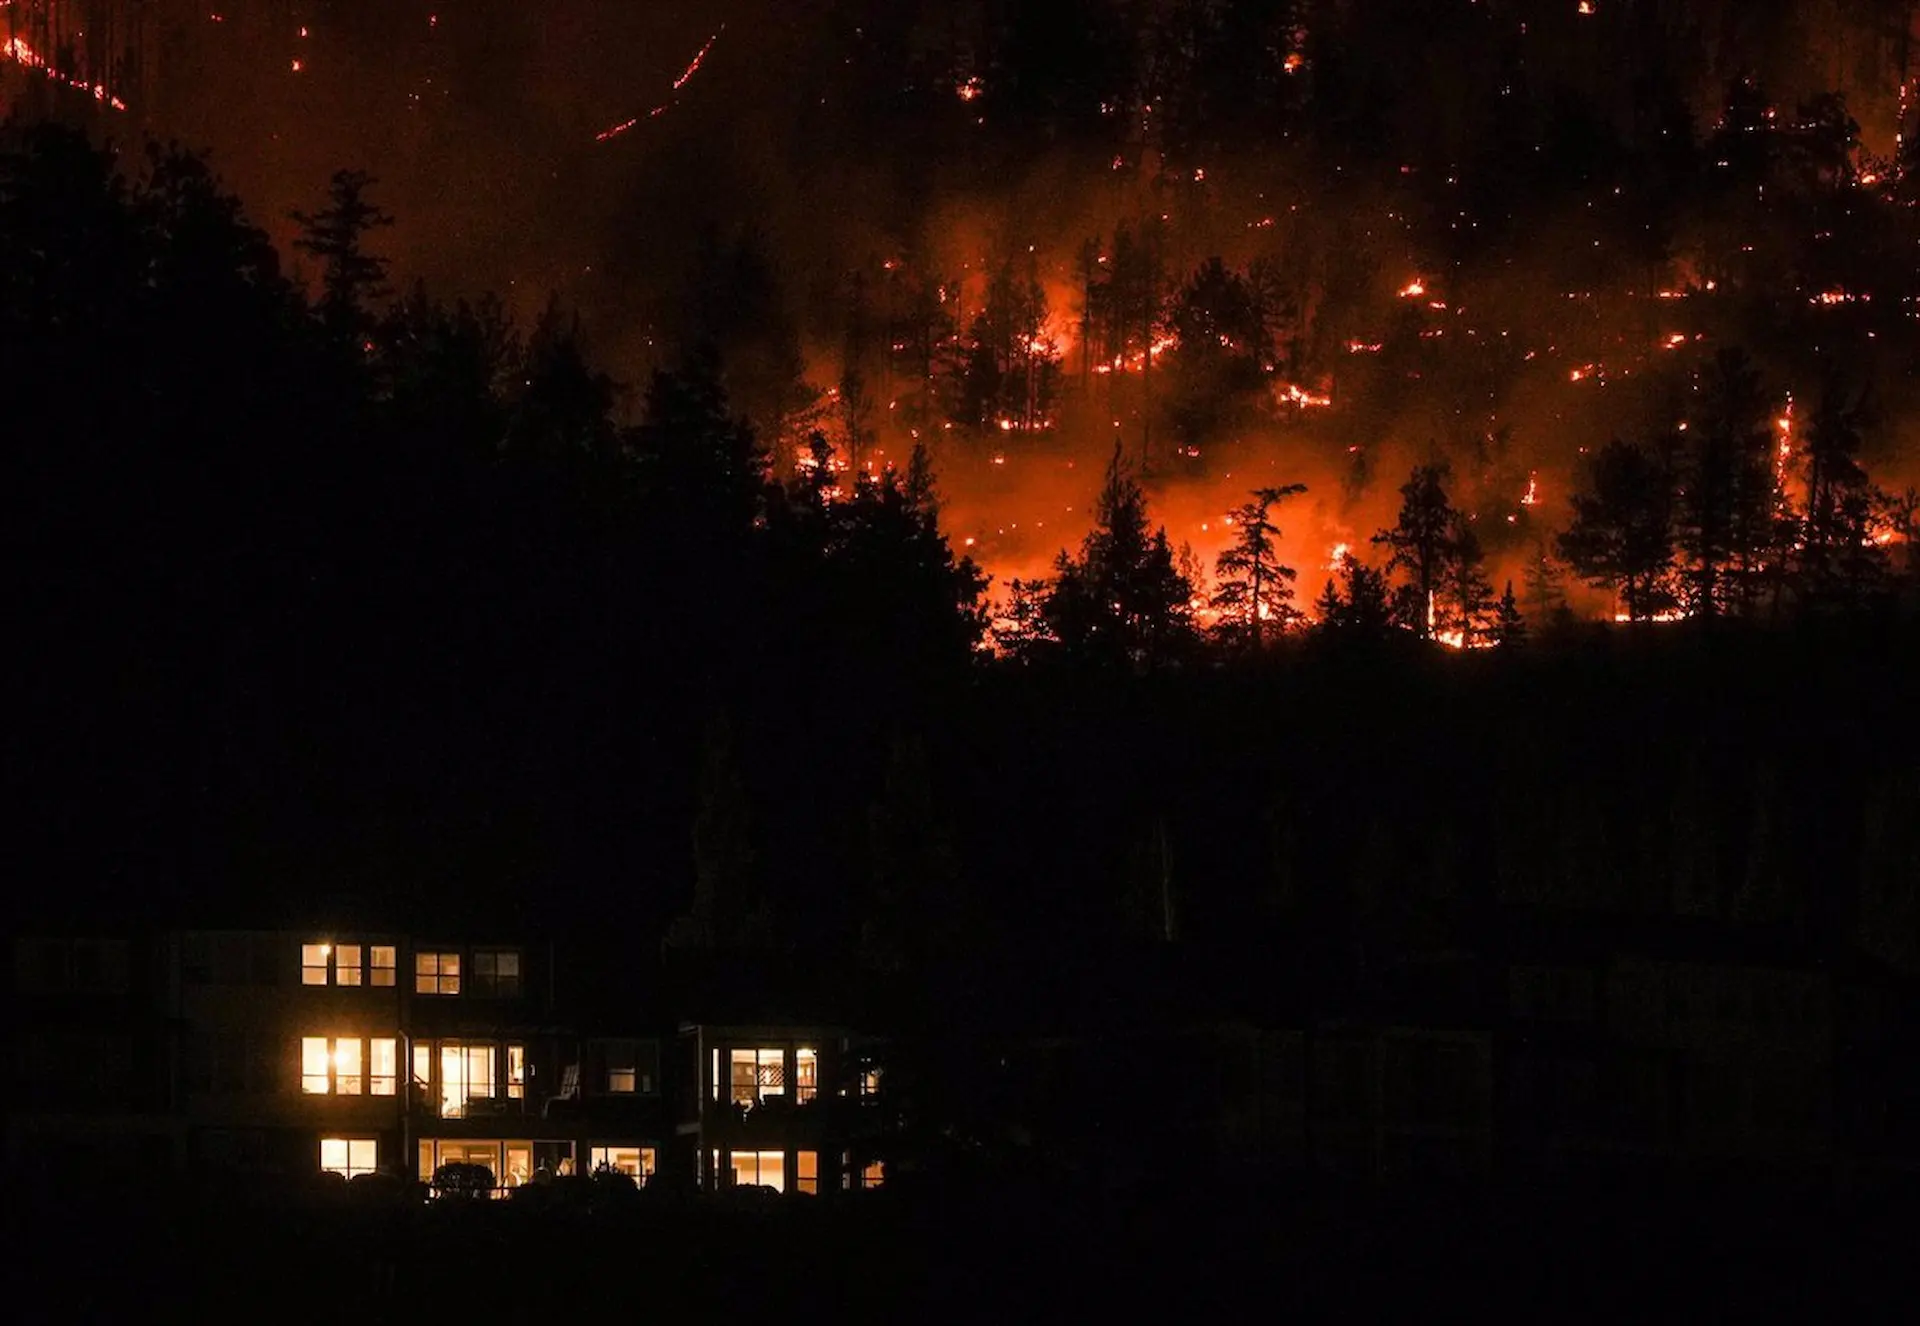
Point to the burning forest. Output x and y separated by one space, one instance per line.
1242 246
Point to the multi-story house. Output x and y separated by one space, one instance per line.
297 1052
293 1050
766 1106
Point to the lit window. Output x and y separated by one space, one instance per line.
384 1068
768 1169
496 974
315 1078
633 1161
422 1066
346 965
466 1075
349 1156
874 1175
336 1066
807 1171
348 1072
630 1067
436 973
383 963
806 1074
516 1072
753 1075
313 964
870 1082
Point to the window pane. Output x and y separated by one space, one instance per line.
333 1154
383 1066
807 1171
422 1065
313 1065
516 1071
453 1082
519 1164
621 1077
509 965
346 964
766 1168
450 973
745 1077
479 1071
382 963
313 964
346 1066
361 1153
806 1073
426 970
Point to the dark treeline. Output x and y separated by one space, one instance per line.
369 603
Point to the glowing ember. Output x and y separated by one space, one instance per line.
1413 289
1532 496
17 50
1306 400
970 89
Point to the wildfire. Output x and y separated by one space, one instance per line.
969 89
686 75
1306 400
1665 617
1532 495
17 50
1338 556
1413 289
1365 347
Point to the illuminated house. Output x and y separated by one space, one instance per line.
761 1106
299 1052
292 1050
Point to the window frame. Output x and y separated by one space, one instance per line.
489 981
334 1075
646 1158
348 1169
626 1058
390 969
436 972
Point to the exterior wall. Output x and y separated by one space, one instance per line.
244 1011
92 1076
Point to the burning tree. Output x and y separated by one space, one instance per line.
1010 368
1841 562
1445 595
1726 506
1255 591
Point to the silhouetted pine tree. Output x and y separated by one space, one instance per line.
1621 535
1122 602
1255 592
351 278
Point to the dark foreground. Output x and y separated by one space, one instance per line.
1276 1256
